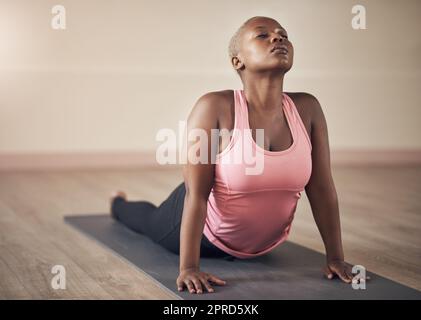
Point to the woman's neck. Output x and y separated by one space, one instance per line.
264 95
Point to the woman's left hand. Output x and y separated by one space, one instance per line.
341 269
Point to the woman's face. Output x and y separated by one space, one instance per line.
259 38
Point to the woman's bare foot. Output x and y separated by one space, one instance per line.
114 196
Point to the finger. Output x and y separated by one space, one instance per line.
190 286
206 284
352 276
217 280
355 279
180 286
349 273
198 285
328 274
344 277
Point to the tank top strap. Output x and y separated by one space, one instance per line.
291 112
240 109
296 121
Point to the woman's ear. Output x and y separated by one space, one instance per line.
237 63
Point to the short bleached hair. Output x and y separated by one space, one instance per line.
234 44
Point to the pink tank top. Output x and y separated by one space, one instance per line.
250 214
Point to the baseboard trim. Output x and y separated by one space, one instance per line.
123 160
366 157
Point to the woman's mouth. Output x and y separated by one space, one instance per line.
280 49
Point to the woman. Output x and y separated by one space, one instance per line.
219 210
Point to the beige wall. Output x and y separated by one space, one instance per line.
124 69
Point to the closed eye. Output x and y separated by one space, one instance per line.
264 35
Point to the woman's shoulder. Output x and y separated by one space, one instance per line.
218 102
218 97
306 103
304 99
213 105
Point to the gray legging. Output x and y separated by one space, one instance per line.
161 224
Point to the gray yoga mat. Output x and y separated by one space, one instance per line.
290 271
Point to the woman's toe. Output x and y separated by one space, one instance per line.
120 194
115 196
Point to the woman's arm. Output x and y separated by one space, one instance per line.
198 179
322 194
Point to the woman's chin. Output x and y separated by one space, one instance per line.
281 66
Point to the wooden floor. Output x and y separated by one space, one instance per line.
380 214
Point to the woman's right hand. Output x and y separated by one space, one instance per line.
194 280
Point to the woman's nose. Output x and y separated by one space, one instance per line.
277 37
